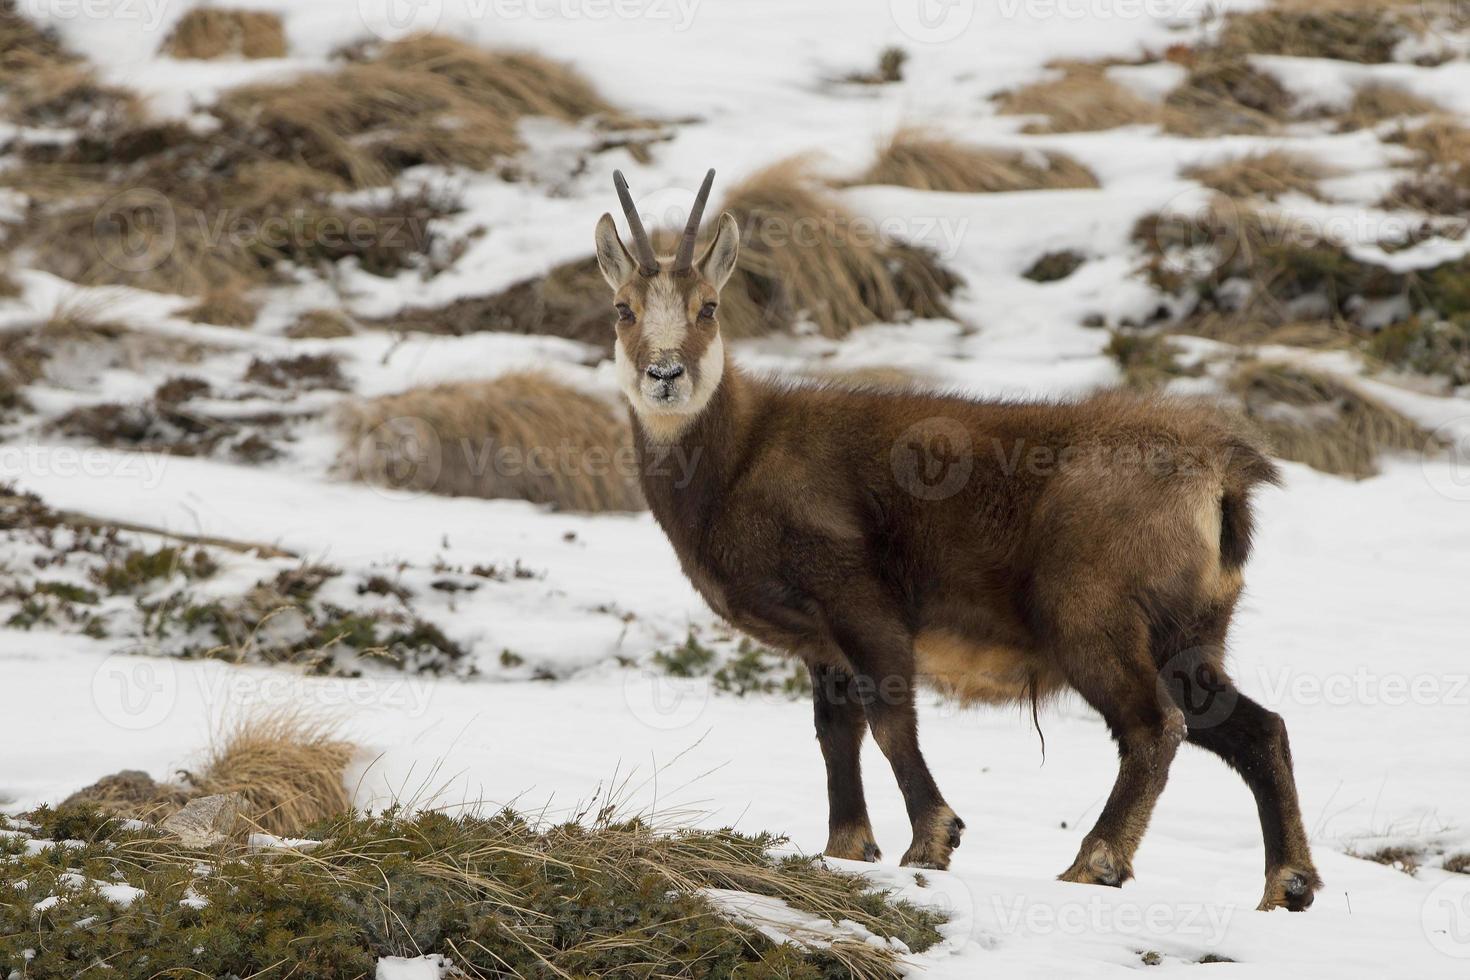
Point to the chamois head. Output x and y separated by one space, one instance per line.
669 354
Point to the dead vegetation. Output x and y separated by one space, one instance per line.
1323 421
521 436
206 33
288 768
73 345
320 325
1343 30
805 259
1055 266
1232 265
303 371
1268 175
888 71
1440 183
211 211
1082 99
1378 102
223 308
42 84
1223 93
1147 360
930 162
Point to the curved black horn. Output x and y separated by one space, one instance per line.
684 260
642 249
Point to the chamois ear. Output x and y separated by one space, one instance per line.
719 259
612 257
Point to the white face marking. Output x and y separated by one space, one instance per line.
664 326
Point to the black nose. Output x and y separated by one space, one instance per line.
665 371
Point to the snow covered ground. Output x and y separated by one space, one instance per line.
1355 626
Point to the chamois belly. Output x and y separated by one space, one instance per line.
981 673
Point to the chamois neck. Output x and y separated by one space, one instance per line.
695 460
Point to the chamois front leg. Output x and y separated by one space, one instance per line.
841 727
883 665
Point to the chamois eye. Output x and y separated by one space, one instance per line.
625 313
707 312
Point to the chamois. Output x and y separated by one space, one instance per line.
1001 551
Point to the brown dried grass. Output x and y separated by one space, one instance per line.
1268 175
206 33
1083 99
930 162
1379 102
1440 183
44 84
288 767
1323 421
805 256
522 436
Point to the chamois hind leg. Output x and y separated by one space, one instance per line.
1251 740
841 727
1111 668
882 656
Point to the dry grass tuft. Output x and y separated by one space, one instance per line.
206 33
1458 863
1223 93
1323 421
320 325
929 162
1083 99
289 769
521 436
806 257
1440 184
1268 175
1343 31
1147 360
224 308
43 84
889 70
425 99
1379 102
803 257
199 213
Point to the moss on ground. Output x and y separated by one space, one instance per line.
500 896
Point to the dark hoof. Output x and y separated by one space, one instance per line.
933 844
1097 864
853 844
1293 889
